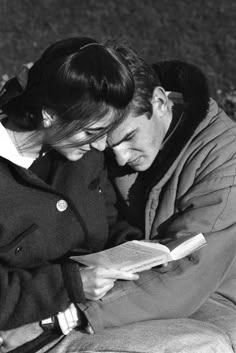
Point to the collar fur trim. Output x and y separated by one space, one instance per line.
189 80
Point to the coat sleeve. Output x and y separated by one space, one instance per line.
181 288
31 295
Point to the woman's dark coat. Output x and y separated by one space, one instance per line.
41 226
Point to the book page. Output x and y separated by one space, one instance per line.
152 244
125 256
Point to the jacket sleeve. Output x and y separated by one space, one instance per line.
181 288
30 295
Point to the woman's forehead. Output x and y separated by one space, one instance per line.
102 123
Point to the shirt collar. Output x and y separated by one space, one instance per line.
9 151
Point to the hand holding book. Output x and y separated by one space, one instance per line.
97 281
136 256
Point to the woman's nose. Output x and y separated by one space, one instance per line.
122 155
100 144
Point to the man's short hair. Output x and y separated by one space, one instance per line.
145 79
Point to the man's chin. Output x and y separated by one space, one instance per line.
141 167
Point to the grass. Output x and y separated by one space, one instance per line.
200 31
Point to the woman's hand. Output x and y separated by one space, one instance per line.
97 281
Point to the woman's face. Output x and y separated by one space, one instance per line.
68 148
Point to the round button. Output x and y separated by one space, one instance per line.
18 249
61 205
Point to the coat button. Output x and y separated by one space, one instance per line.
18 249
61 205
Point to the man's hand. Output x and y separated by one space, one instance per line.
98 281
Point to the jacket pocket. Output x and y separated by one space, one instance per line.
24 251
19 238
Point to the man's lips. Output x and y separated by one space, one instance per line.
134 161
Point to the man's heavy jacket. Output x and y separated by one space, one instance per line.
190 188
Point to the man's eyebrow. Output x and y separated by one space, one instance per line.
124 138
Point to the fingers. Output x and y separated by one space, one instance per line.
98 281
115 274
98 293
95 285
105 273
128 276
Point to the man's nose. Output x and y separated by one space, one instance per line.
100 144
122 156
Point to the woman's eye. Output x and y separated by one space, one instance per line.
89 133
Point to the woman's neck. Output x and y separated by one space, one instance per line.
27 143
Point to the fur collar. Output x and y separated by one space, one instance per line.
187 79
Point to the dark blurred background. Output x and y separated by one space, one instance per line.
200 31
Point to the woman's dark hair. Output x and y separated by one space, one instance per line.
78 79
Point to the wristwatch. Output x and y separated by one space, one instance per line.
51 324
63 322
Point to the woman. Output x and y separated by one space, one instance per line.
55 199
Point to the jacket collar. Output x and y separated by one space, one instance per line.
177 76
191 83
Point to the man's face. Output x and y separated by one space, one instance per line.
137 141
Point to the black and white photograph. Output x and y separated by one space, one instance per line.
117 176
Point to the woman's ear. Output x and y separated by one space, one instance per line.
48 118
159 101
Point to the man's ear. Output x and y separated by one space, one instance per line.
49 117
159 101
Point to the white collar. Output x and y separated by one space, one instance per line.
9 151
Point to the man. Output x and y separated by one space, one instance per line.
175 174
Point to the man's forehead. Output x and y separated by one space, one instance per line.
120 132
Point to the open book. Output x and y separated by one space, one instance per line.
137 256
